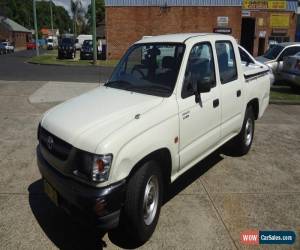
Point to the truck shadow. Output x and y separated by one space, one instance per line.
68 234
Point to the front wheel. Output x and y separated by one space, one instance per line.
241 144
143 202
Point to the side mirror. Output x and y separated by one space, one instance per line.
204 85
201 86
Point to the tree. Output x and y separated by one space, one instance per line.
21 12
78 16
100 13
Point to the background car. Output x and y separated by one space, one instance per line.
291 71
275 55
2 49
66 48
86 52
9 47
31 45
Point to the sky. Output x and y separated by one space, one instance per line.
66 3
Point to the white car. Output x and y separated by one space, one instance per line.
108 155
9 47
291 71
275 56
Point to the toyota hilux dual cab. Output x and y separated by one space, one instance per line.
107 156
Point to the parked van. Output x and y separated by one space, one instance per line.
79 40
52 42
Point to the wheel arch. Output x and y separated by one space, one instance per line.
163 157
254 103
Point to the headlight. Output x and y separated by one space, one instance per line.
94 167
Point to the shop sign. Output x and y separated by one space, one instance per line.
223 30
265 4
279 31
222 21
246 13
279 21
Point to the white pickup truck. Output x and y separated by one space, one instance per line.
108 155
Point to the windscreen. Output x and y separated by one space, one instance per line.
273 52
149 68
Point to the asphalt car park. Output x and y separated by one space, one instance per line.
207 208
14 67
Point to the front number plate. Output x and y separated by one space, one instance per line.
52 194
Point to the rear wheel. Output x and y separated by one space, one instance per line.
241 144
143 202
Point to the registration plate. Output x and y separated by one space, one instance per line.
50 191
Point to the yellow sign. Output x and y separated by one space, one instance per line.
265 4
279 21
278 5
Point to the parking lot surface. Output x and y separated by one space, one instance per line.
207 208
14 67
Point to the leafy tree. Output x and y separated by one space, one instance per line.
78 16
21 11
100 13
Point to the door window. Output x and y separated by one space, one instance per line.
245 58
200 67
226 61
289 52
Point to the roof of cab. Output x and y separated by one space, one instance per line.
175 38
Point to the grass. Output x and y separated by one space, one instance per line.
284 93
50 57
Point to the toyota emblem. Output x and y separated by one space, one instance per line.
50 142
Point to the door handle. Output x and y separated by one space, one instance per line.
216 103
238 93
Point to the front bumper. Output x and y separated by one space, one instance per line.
86 55
88 205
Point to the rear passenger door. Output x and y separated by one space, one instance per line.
230 90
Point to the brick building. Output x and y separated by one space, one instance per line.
129 20
266 22
254 23
14 32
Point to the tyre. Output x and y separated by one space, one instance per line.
241 144
143 202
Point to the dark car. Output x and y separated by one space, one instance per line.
2 49
86 52
66 48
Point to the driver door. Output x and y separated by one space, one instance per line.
199 122
290 51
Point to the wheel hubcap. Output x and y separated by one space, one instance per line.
248 132
150 200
